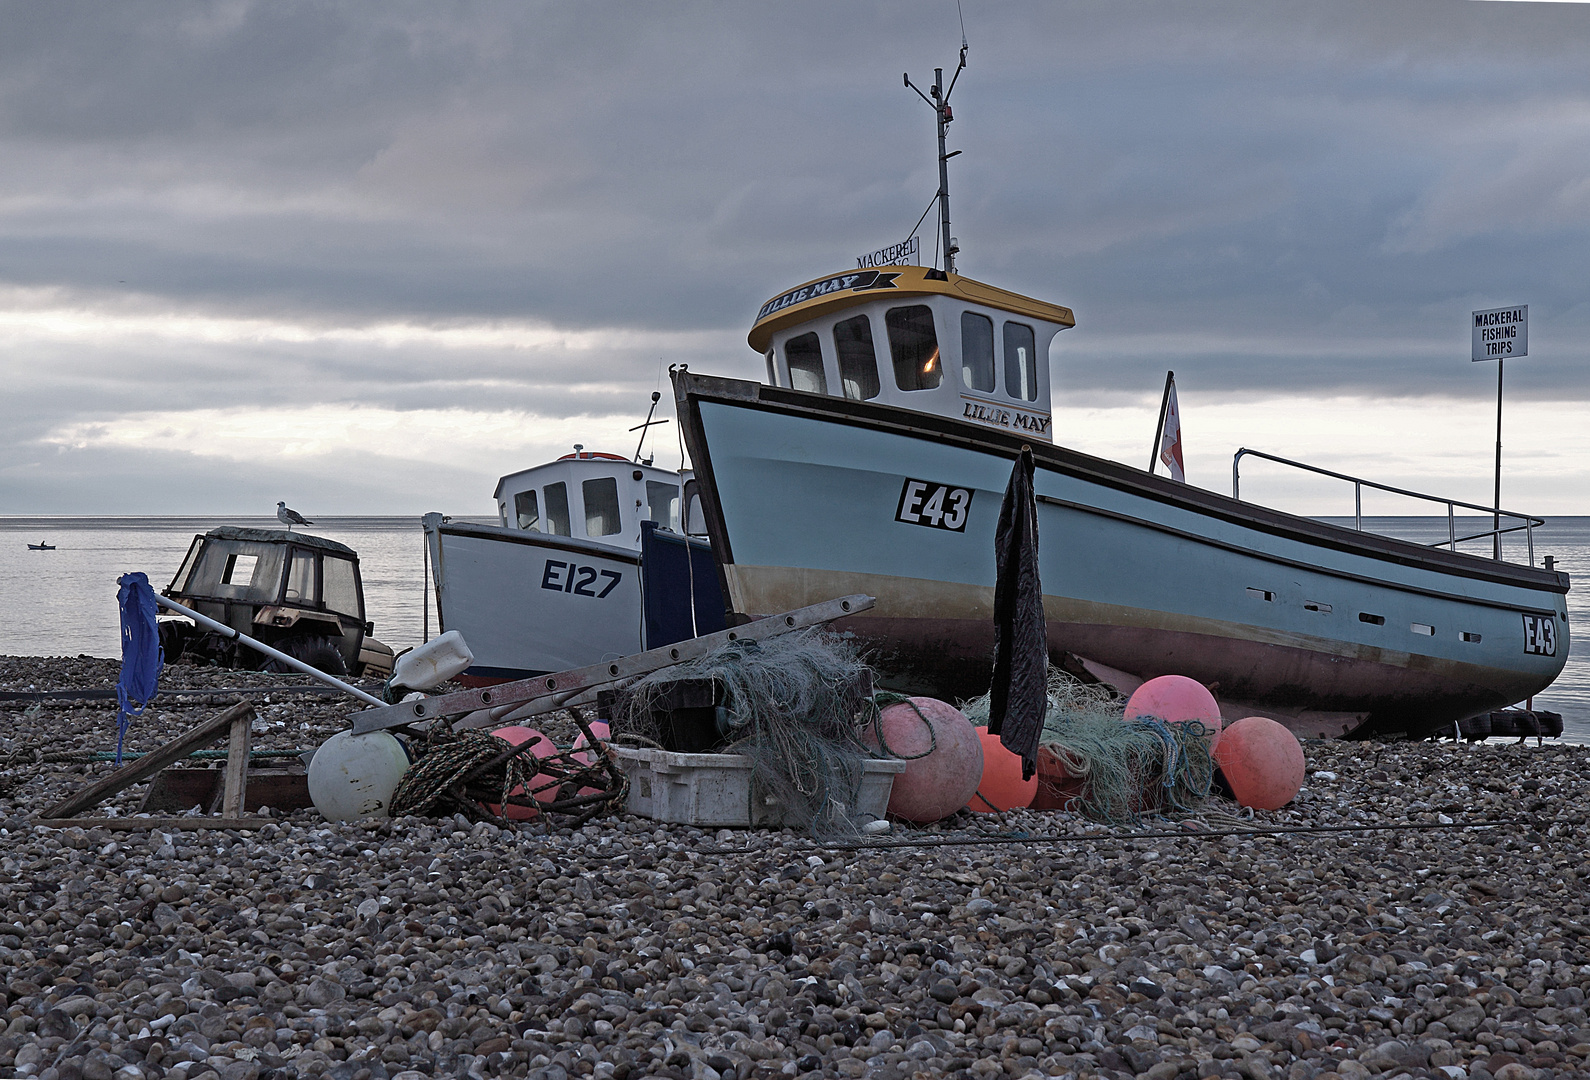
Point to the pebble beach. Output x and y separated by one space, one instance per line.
1024 944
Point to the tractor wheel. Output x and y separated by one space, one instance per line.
318 652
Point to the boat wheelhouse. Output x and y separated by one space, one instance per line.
916 338
598 497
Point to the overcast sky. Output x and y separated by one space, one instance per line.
368 257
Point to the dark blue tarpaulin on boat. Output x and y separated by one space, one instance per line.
669 579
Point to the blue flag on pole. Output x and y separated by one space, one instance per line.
141 657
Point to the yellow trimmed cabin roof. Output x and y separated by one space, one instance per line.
826 294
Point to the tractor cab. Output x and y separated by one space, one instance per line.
298 593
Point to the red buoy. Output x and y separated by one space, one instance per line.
1176 699
1057 788
1001 787
1262 761
940 781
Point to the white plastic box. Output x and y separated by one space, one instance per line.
714 790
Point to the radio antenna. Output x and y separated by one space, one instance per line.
940 103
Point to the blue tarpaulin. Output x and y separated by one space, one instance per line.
141 656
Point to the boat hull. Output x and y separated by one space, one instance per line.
1333 632
530 603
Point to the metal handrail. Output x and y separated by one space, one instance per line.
1452 540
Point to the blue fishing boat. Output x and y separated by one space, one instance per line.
588 561
874 459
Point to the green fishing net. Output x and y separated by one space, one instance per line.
797 706
1118 770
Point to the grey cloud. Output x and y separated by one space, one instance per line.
1269 197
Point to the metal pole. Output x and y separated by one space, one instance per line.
1496 518
291 661
1451 527
425 591
1358 504
942 107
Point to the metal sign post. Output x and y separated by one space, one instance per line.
1497 334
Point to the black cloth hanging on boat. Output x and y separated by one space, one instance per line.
1019 697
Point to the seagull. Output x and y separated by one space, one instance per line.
290 517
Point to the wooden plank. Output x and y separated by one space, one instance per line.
135 824
236 782
545 693
177 789
151 763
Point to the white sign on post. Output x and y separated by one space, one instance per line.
1501 333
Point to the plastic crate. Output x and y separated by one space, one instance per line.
714 790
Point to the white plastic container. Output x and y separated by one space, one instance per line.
715 789
433 663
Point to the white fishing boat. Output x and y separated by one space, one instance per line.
556 583
875 458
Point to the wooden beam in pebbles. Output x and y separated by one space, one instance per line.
142 769
138 824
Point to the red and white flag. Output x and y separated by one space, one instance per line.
1170 435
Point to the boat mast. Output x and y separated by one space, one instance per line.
940 101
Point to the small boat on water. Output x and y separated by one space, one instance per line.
41 546
557 582
874 461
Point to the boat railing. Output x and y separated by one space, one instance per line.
1496 532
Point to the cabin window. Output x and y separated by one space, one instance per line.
180 582
662 500
527 511
858 360
977 351
601 506
805 359
695 522
914 347
340 586
1021 362
239 570
557 499
301 579
772 369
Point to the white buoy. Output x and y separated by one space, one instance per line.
353 776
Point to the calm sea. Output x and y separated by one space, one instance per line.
63 602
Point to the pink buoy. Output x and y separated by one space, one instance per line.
945 758
517 735
1001 787
1176 699
1262 761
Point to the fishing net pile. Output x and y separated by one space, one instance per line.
1111 769
796 705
